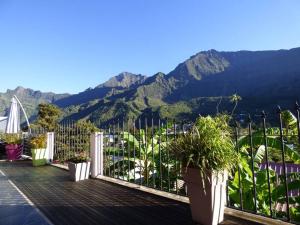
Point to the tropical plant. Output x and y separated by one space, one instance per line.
243 178
141 156
207 146
273 142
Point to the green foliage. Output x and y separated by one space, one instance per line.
243 178
145 157
73 139
11 138
79 158
48 116
87 126
273 143
208 146
38 142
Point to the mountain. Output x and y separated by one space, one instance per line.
196 86
119 83
29 99
262 78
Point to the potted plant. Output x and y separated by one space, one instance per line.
79 167
13 146
207 153
38 146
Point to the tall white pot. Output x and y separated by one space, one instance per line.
207 201
79 171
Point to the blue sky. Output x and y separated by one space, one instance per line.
70 45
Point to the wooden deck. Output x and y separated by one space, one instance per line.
94 201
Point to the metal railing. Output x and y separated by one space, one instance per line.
266 182
135 151
71 139
267 179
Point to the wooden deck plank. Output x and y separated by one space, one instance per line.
94 201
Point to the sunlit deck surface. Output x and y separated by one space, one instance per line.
94 201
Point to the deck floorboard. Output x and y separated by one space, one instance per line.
94 201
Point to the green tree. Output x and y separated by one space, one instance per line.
48 116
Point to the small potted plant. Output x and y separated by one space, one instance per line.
207 153
38 146
13 146
79 167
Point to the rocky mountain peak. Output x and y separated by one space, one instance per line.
124 80
200 65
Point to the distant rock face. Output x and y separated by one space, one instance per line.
124 80
200 65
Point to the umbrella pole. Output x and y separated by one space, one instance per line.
27 121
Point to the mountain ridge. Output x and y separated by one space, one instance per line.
191 88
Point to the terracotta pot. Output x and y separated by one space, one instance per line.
207 200
79 171
13 151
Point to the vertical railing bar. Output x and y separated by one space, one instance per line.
109 150
176 160
140 160
114 150
73 137
123 149
134 165
159 149
79 138
128 148
267 161
146 153
152 148
252 162
104 151
65 143
284 164
118 147
180 164
239 169
61 142
68 138
297 107
168 157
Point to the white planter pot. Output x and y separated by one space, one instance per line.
207 201
79 171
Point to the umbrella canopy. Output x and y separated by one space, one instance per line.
13 122
3 122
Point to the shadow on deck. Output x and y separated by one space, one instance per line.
94 201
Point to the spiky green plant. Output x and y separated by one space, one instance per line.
207 146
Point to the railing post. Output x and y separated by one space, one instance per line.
96 154
50 147
284 164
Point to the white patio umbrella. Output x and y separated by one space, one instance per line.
13 122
